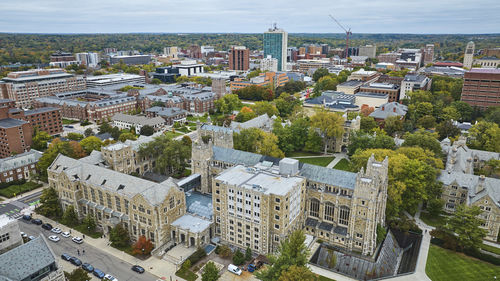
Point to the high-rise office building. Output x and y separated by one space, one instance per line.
368 50
428 54
239 58
275 44
469 55
481 87
88 59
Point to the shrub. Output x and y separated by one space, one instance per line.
197 256
225 252
238 258
482 256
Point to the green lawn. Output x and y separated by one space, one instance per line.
68 121
323 278
443 264
302 153
491 249
186 274
433 220
172 134
14 190
94 234
320 161
343 164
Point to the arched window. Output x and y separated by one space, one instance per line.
314 208
344 215
329 210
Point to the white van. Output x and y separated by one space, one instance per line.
234 269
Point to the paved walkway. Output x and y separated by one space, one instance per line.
338 157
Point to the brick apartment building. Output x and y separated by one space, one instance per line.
16 126
19 166
392 90
25 86
264 79
239 58
482 87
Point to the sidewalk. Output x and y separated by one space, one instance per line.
21 196
159 267
338 157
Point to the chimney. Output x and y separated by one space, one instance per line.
383 108
394 109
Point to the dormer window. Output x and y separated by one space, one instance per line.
103 182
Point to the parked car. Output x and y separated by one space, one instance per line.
138 269
234 269
27 217
98 273
75 261
56 230
31 237
47 226
24 235
251 267
37 221
109 277
65 234
88 267
66 257
77 240
54 238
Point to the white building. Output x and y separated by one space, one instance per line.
368 50
207 49
88 59
469 55
171 52
189 68
488 62
10 235
269 64
113 79
124 121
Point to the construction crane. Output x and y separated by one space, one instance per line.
347 34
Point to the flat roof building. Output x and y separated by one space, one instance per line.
482 87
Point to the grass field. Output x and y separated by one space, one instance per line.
432 220
172 134
444 265
302 153
186 274
343 164
68 122
323 278
320 161
14 190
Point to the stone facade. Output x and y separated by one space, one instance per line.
143 207
340 144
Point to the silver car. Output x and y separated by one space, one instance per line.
54 238
56 230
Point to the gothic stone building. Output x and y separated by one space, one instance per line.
143 207
462 186
342 208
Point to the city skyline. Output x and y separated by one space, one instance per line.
223 16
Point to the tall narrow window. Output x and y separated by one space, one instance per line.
329 209
344 215
314 208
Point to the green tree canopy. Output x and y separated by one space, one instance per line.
40 139
424 140
466 224
147 130
172 155
485 136
330 124
77 275
228 103
70 217
49 204
91 143
210 272
119 237
320 72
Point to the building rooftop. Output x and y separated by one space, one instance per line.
19 160
489 58
11 123
111 180
371 95
388 86
485 70
38 77
199 204
192 223
40 110
166 111
257 122
351 83
415 78
138 120
21 262
388 110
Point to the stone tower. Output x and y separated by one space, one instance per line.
368 204
469 55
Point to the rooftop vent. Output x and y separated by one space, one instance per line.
88 177
120 187
103 182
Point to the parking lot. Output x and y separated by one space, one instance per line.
97 258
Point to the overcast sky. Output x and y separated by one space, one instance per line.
249 16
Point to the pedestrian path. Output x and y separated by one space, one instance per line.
338 157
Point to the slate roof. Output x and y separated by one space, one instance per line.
22 261
209 127
111 180
258 122
11 123
389 109
166 111
19 160
139 120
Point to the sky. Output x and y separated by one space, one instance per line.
249 16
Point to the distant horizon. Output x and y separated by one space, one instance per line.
230 16
246 33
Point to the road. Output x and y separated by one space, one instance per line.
107 263
13 209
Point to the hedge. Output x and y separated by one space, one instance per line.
469 252
197 256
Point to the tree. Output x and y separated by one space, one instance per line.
464 109
77 150
291 137
127 136
88 132
248 254
485 136
74 136
147 130
313 142
264 107
446 129
105 128
57 146
156 81
435 206
143 246
367 124
493 115
238 257
424 140
40 139
392 125
118 236
91 143
90 223
246 113
330 124
49 204
466 224
286 104
210 272
70 217
268 145
228 103
172 155
360 140
320 72
225 251
77 275
297 273
255 92
450 113
427 121
292 251
186 265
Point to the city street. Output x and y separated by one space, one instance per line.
109 264
13 208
